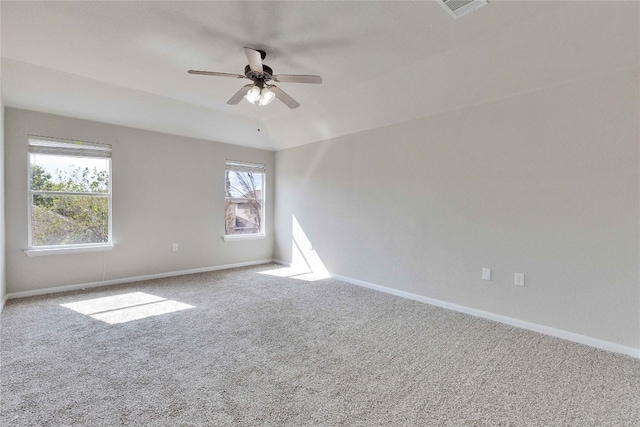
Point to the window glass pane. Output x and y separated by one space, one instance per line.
67 220
69 173
243 217
243 184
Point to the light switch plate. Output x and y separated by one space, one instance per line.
486 274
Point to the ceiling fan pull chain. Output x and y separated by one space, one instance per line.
258 117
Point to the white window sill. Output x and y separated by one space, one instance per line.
67 250
236 237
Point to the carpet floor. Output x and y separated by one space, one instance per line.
240 348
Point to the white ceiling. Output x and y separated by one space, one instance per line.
381 62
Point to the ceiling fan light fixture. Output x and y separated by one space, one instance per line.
260 96
253 95
266 96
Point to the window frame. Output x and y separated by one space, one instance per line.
243 166
70 148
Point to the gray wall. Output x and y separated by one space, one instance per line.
166 189
545 184
3 281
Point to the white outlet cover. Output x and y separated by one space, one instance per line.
519 281
486 274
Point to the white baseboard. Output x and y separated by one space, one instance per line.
558 333
57 289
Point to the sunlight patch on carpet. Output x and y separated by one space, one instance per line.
126 307
305 262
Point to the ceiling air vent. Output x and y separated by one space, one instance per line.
457 8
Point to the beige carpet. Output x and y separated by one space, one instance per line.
238 348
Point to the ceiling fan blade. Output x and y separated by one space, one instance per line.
282 96
214 73
235 99
297 78
255 59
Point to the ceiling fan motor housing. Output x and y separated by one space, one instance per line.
266 74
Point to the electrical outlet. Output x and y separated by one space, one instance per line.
519 279
175 247
486 274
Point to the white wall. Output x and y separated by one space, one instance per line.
166 189
545 183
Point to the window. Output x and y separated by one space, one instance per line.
244 199
69 194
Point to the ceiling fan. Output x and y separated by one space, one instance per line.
261 91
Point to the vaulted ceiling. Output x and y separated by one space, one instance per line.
382 62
